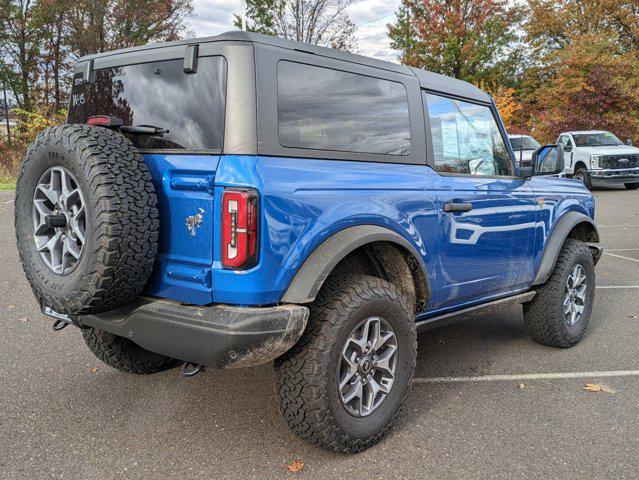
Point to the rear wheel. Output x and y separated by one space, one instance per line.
122 354
631 186
559 313
344 382
584 177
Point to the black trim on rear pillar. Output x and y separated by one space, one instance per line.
219 336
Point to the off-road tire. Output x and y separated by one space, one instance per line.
122 221
122 354
544 316
583 175
631 186
307 375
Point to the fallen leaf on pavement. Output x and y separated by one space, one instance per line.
23 319
93 370
522 386
593 387
296 466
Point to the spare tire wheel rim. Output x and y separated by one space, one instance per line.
59 220
367 367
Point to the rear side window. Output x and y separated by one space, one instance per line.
466 138
324 109
191 107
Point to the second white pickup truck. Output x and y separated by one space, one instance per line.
599 157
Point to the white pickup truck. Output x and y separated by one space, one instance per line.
598 157
524 146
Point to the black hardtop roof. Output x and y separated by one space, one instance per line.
430 80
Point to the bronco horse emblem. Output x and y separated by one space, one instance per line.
194 221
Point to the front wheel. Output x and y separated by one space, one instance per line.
631 186
584 177
559 313
344 382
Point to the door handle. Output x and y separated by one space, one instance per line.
458 207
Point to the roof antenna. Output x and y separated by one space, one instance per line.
243 14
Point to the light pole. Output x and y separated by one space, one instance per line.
6 112
243 14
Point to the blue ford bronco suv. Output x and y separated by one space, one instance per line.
243 199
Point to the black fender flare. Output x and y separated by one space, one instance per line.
320 263
557 238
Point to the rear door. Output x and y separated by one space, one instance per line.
486 214
182 161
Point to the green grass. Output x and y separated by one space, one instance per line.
7 183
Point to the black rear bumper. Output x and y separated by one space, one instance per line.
219 336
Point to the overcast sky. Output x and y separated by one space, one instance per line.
371 16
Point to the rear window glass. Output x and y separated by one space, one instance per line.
190 106
324 109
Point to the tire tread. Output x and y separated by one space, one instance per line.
126 228
301 386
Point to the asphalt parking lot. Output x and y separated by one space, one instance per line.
66 415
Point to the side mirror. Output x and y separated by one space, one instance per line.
548 160
629 141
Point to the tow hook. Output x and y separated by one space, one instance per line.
60 324
190 369
62 320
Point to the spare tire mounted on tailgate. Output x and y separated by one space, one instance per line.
86 219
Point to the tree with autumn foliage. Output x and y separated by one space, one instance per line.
590 87
471 40
584 67
41 39
509 108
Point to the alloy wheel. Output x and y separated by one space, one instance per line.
367 367
59 220
575 295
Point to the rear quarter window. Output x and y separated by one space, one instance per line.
324 109
190 106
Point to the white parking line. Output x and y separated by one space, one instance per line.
528 376
622 250
613 287
621 256
617 226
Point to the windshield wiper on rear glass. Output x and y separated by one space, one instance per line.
143 130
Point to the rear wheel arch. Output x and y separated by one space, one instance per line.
366 249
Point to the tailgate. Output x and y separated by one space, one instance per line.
184 187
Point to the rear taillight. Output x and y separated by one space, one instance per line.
240 214
104 121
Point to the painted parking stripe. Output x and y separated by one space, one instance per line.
615 287
622 250
528 376
621 256
617 226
